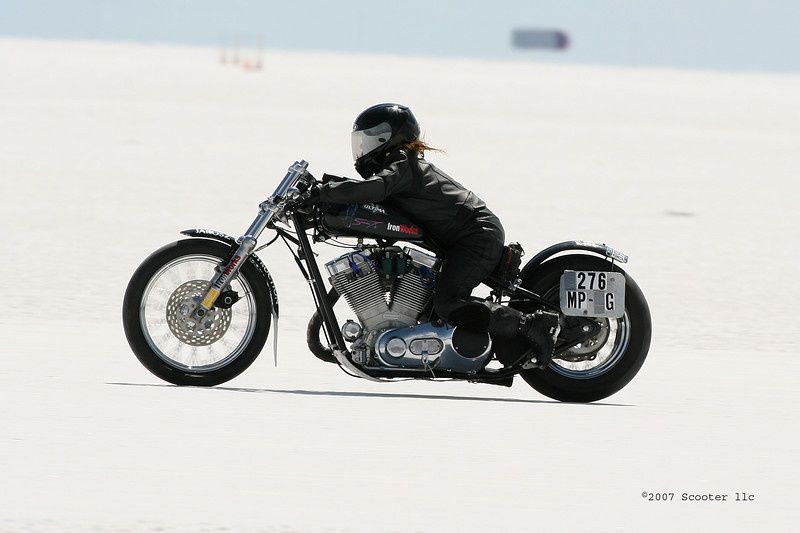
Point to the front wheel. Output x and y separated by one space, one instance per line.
164 290
601 366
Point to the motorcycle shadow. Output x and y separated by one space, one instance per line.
356 394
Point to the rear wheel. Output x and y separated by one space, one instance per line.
602 365
162 293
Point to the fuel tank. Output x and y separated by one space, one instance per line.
369 220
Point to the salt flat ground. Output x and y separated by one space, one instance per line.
107 150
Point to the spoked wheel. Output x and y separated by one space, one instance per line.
596 355
163 293
599 366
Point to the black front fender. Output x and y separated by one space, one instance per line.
256 261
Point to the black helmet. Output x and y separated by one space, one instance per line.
377 131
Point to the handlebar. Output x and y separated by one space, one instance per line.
295 173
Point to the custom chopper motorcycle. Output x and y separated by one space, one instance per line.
198 311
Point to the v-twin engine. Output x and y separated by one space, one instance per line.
390 289
365 279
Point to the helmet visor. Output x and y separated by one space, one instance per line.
365 141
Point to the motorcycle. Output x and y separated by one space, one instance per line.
198 311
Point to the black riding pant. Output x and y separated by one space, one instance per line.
467 263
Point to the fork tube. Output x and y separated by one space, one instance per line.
247 244
265 214
318 286
224 275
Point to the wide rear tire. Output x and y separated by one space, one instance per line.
579 382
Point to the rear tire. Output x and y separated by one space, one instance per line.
568 385
151 348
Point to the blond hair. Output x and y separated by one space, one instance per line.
420 147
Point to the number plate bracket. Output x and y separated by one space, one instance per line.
592 293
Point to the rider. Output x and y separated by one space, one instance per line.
388 154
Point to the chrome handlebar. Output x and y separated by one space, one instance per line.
295 173
274 205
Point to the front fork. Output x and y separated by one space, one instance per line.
247 243
224 275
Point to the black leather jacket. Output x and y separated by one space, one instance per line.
446 210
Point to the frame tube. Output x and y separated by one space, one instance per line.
318 286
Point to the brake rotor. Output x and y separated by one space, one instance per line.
587 350
180 306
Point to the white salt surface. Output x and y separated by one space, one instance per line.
107 150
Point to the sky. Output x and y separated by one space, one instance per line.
710 34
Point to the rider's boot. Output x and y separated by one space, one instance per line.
541 329
537 333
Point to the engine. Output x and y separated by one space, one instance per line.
385 287
389 289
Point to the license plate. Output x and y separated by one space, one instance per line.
591 293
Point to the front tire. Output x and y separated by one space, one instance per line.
618 359
173 277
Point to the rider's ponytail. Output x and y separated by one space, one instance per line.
420 147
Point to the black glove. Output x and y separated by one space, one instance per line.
308 198
326 178
307 182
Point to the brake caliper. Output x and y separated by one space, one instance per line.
580 338
226 299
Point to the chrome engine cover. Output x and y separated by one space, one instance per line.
391 335
356 277
427 346
415 289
